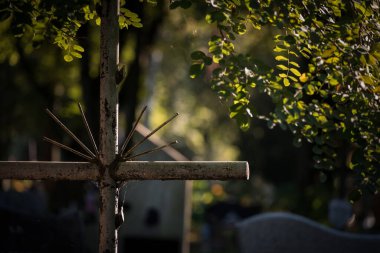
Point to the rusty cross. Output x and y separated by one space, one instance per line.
109 165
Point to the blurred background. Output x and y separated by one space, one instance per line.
157 57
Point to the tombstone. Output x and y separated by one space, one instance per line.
290 233
158 213
340 212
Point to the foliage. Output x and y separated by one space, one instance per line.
58 21
324 85
325 81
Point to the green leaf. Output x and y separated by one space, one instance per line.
282 67
68 58
322 119
241 29
332 60
236 109
295 72
303 78
333 82
368 80
135 20
78 48
75 54
293 53
287 44
197 55
310 89
363 60
294 64
98 21
304 54
137 25
128 13
360 7
233 114
372 60
217 58
301 105
281 58
244 125
278 49
329 52
286 82
306 50
243 122
275 86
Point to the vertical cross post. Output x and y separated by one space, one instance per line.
108 134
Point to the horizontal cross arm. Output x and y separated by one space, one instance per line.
133 170
49 170
187 170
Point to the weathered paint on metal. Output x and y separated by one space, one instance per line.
109 59
136 170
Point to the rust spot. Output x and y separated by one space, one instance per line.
106 109
102 171
100 206
114 124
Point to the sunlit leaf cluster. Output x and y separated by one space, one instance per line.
58 21
325 80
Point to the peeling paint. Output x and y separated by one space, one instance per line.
106 109
114 125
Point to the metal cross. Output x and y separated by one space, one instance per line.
109 165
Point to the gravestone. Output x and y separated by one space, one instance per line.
340 212
290 233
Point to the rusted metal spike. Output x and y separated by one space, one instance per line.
150 151
150 134
68 149
131 132
88 130
70 133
